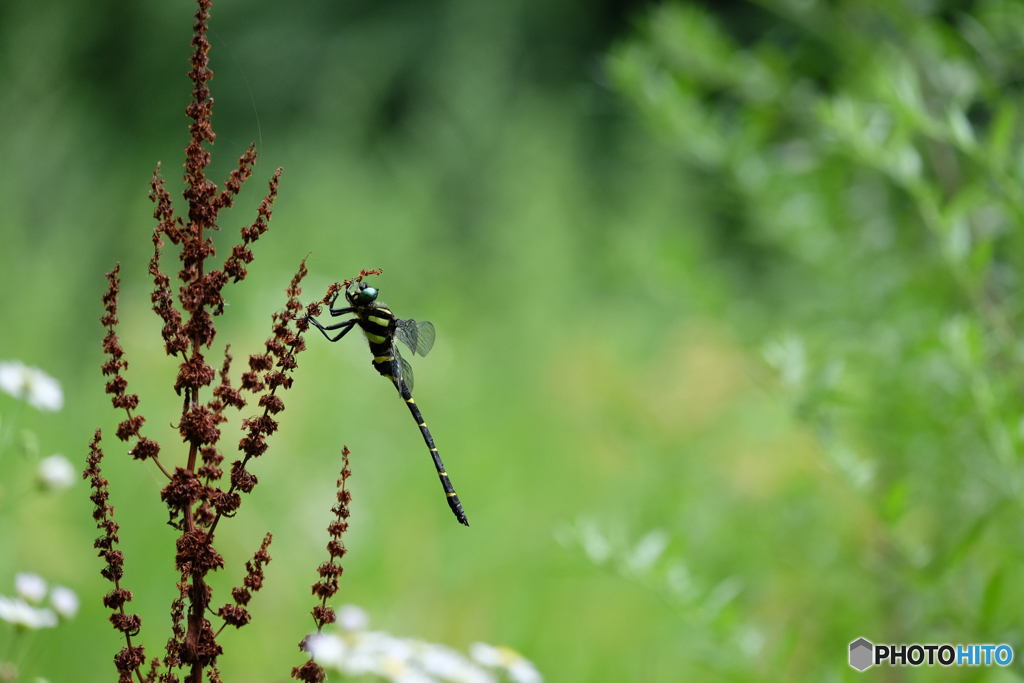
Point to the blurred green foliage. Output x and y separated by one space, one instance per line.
862 166
718 400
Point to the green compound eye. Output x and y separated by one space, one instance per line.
366 295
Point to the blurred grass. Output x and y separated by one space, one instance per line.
600 301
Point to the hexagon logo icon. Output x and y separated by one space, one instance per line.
861 652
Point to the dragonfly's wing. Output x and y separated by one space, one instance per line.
403 369
425 334
408 333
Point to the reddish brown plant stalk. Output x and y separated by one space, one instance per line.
195 504
144 448
237 615
329 572
131 657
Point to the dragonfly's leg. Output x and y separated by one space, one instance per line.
335 312
345 327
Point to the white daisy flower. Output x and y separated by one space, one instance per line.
523 671
328 650
18 612
352 618
31 587
399 671
389 647
32 384
440 661
367 654
450 665
647 552
595 545
358 652
56 472
12 377
518 668
64 602
359 663
488 655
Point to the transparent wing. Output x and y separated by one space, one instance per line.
425 333
402 369
408 333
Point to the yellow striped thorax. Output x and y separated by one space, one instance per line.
378 323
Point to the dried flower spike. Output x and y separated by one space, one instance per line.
144 447
329 572
237 615
131 657
282 348
195 503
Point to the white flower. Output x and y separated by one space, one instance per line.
31 587
597 547
399 671
56 472
439 660
450 665
523 671
64 601
39 389
328 650
519 669
647 552
397 649
12 377
368 653
406 660
352 618
20 613
488 655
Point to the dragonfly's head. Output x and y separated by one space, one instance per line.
361 295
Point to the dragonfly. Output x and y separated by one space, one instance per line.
382 329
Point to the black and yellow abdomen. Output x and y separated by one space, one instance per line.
446 484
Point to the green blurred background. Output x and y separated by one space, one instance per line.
726 296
